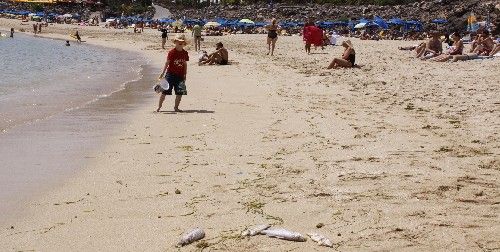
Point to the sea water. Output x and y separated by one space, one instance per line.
58 106
42 77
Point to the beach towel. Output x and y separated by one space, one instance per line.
313 35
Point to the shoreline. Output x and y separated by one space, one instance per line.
31 192
396 155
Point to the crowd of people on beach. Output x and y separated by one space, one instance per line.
482 45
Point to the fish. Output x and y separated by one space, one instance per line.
255 230
321 240
284 234
190 237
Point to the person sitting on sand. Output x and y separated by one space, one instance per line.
219 57
475 39
456 49
348 57
432 48
484 45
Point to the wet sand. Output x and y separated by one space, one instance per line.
399 154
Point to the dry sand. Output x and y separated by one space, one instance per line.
400 154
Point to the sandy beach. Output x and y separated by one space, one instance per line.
397 155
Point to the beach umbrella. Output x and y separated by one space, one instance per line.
212 24
246 21
396 21
260 24
360 25
380 22
366 25
340 23
439 21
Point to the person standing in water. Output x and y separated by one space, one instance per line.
197 37
77 37
12 32
175 71
272 36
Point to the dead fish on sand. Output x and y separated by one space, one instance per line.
321 240
255 230
284 234
192 236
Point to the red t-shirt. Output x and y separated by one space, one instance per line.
176 62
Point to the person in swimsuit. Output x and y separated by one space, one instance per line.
456 49
219 57
348 57
272 36
197 37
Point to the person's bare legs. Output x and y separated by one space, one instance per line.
216 58
339 63
178 99
495 50
308 48
273 45
421 52
163 42
442 58
269 40
332 64
420 49
160 103
469 56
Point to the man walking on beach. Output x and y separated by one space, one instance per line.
197 37
176 70
164 37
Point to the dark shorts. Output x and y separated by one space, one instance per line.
177 83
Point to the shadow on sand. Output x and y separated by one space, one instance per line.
188 111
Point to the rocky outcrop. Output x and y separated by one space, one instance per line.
456 11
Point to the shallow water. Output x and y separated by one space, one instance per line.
58 112
42 77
